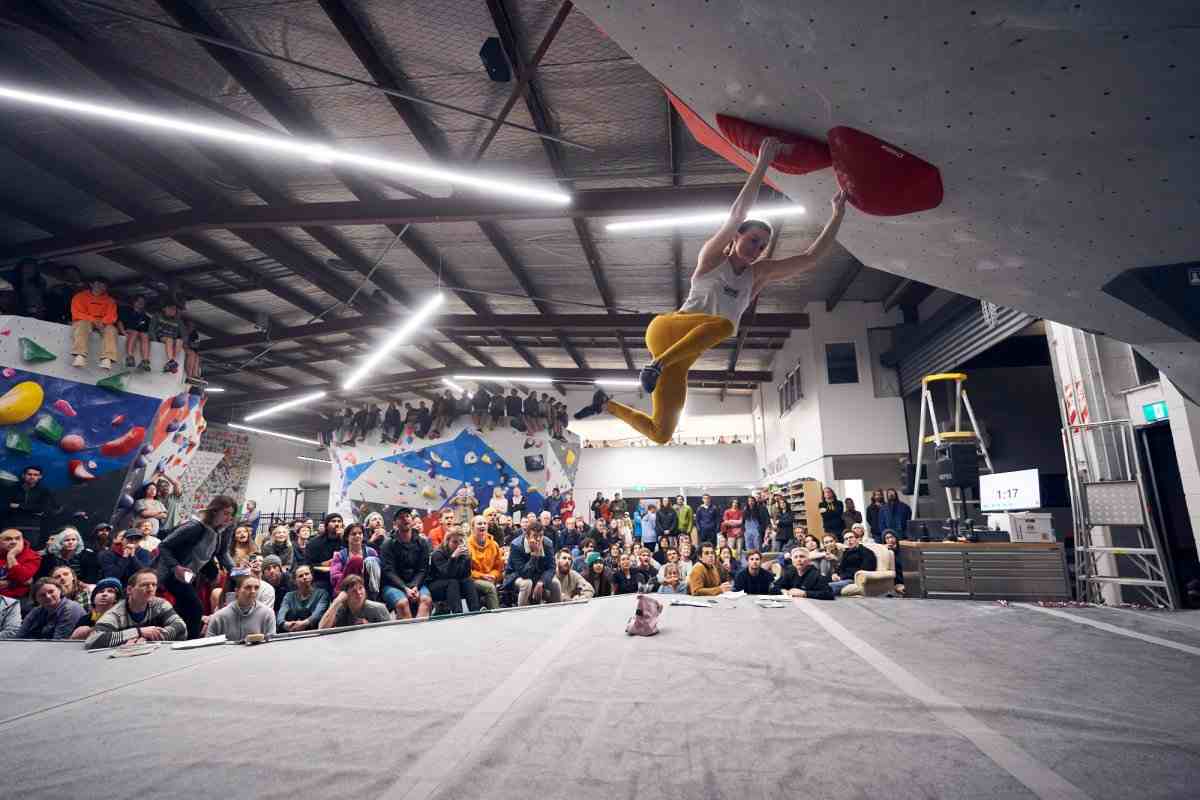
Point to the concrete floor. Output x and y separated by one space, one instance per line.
873 697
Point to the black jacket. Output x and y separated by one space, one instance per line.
624 585
854 559
85 563
522 565
512 406
405 564
32 505
708 520
754 584
831 517
320 549
443 567
665 522
814 584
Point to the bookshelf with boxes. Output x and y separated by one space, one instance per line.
804 497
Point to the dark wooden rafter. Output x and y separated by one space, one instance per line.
906 292
543 122
843 285
674 164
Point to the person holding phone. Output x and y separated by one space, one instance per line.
450 573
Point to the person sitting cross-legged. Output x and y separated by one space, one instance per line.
450 573
304 606
855 557
351 607
245 615
531 568
571 584
140 617
753 579
704 579
487 567
405 564
54 617
801 579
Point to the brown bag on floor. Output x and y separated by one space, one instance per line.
644 621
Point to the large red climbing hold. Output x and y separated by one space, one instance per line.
880 178
124 444
801 154
708 136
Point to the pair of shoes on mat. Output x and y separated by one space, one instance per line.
599 399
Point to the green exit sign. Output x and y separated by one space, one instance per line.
1155 411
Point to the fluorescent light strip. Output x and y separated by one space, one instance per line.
300 439
318 460
617 382
410 324
505 378
453 385
275 409
702 218
313 151
213 389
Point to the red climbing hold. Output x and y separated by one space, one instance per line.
801 154
880 178
708 136
124 444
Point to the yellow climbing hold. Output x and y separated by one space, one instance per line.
429 492
20 402
570 457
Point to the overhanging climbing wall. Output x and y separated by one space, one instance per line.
426 473
96 435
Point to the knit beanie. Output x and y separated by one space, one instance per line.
593 557
107 583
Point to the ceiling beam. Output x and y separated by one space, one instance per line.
906 292
674 164
844 282
489 323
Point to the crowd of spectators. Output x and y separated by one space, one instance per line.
87 307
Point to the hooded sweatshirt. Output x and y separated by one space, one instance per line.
20 575
236 622
485 559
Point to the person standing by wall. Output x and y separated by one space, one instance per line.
189 549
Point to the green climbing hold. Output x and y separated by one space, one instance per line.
115 383
18 443
48 429
32 352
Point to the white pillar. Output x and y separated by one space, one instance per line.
1185 431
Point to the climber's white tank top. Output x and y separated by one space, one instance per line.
722 293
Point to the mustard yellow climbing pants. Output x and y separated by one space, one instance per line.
675 340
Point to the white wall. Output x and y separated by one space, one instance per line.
668 468
274 464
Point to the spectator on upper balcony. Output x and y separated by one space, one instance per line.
94 309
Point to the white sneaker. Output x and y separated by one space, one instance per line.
106 363
79 361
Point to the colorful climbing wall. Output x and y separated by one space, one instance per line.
96 435
229 473
427 473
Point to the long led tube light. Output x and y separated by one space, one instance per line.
703 218
289 437
411 323
318 460
617 382
275 409
213 389
505 378
452 385
313 151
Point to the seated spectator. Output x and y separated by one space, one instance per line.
625 580
105 594
65 549
303 534
705 579
356 559
597 575
149 508
586 548
19 563
94 309
571 584
753 579
25 506
242 545
671 583
140 617
279 545
351 607
671 556
450 573
405 562
648 571
10 617
801 579
827 558
302 607
319 551
376 531
133 322
438 532
70 586
100 537
685 558
245 615
274 576
487 568
54 617
612 561
892 543
531 568
167 327
728 565
855 557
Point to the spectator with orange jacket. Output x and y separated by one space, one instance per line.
94 309
18 564
487 565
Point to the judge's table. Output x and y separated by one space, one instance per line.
985 570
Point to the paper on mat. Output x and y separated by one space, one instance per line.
207 641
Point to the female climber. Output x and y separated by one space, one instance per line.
729 275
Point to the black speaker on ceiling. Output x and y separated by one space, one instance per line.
492 56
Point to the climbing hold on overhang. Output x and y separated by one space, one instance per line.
800 155
32 352
19 402
880 178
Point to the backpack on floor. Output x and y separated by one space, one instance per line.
644 621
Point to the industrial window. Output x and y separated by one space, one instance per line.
841 362
790 391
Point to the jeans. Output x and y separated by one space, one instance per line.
392 595
488 595
454 591
551 592
753 537
837 586
187 604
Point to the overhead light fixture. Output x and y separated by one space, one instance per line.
275 409
213 389
276 434
410 324
617 382
285 145
701 218
453 385
317 460
505 378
